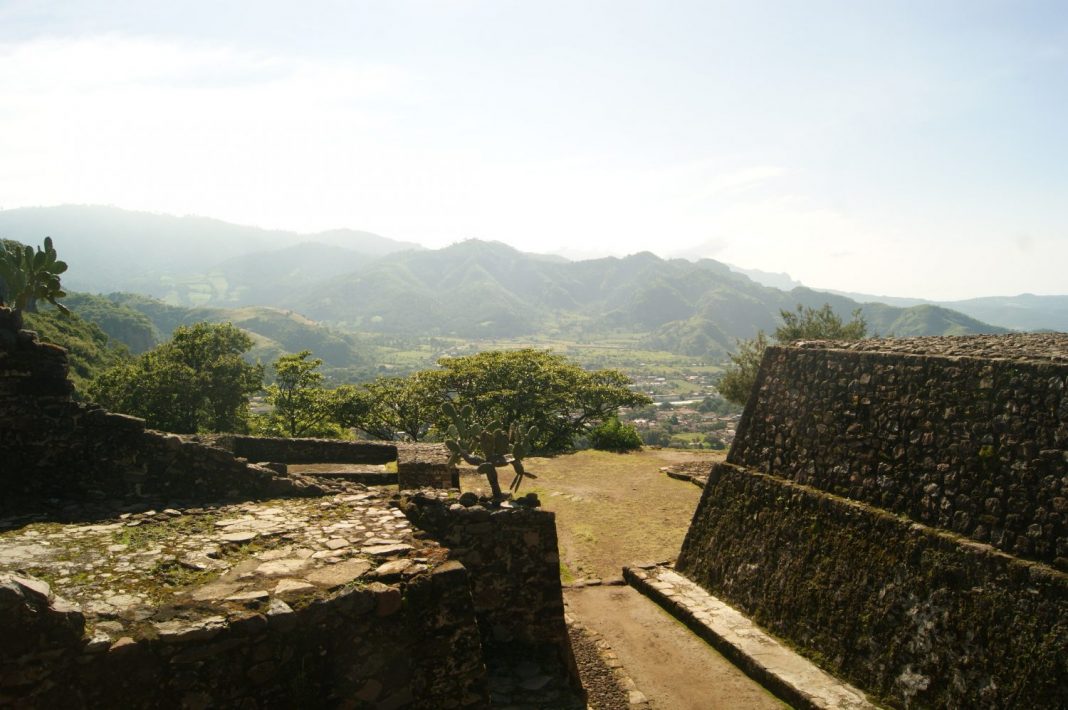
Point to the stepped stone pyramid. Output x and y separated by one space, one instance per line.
898 510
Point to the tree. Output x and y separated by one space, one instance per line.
805 323
197 381
302 406
534 388
819 324
402 406
738 378
28 275
613 435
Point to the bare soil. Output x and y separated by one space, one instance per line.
611 509
614 510
675 669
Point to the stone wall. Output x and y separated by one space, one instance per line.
902 610
425 466
512 556
418 465
366 646
307 450
965 434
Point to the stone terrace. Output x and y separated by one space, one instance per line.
229 604
1024 347
163 574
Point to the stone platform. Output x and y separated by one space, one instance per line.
250 589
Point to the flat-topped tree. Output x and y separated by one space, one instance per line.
496 446
29 274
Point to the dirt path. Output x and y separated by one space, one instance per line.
670 665
614 510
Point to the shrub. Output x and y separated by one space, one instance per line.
614 435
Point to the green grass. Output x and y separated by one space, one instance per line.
148 534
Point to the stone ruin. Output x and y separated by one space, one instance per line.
143 569
898 510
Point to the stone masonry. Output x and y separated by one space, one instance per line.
418 465
896 509
964 434
310 602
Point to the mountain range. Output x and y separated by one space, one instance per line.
186 260
361 282
1026 311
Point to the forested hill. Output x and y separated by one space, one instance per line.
480 289
103 330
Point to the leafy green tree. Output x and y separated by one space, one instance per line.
403 406
613 435
534 388
197 381
819 324
738 378
805 323
351 406
301 405
28 275
716 405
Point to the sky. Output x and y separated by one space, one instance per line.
884 147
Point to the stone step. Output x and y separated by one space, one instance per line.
763 658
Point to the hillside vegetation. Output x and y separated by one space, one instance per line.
479 290
90 350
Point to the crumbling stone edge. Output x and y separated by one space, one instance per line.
643 577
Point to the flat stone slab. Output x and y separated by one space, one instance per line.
387 550
340 574
784 672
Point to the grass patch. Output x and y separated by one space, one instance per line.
614 509
148 535
173 573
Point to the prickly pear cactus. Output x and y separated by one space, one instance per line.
27 275
489 448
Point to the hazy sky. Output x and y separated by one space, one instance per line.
899 148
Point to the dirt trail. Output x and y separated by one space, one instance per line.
669 664
619 509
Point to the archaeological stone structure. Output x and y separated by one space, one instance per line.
141 569
898 510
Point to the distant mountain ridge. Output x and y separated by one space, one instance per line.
1023 312
472 289
481 289
111 249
